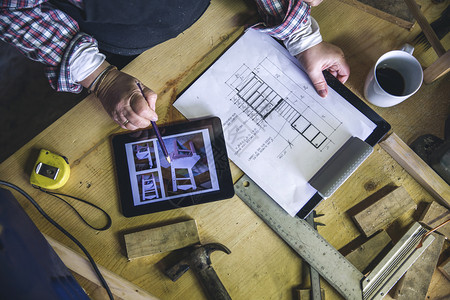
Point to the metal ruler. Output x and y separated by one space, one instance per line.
324 258
303 239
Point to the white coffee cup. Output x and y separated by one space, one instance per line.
396 76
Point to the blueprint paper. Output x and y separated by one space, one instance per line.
277 129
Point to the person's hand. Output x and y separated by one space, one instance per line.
123 101
313 2
324 56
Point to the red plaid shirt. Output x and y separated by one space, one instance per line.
45 34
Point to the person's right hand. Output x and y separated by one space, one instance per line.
313 2
123 100
324 56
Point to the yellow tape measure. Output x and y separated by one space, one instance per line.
51 171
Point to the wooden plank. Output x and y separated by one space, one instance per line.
437 69
415 283
367 252
383 212
394 11
445 268
161 239
305 294
80 265
426 27
417 168
434 215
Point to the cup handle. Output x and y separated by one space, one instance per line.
408 48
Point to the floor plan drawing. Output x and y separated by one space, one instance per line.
263 98
277 129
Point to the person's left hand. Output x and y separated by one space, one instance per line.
324 56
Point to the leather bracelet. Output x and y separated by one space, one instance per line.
93 85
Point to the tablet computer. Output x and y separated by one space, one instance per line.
199 171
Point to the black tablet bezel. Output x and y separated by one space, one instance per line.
221 161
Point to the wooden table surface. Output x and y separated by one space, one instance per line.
261 265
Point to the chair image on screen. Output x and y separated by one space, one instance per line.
149 188
143 152
183 159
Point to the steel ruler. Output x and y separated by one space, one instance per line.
324 258
303 239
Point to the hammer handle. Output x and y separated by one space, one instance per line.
211 282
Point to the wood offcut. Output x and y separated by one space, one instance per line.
434 215
417 168
383 212
161 239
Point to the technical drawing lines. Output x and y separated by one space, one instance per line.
258 96
255 94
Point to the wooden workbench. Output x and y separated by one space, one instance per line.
260 266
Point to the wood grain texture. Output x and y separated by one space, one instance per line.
81 265
395 12
362 256
438 69
161 239
417 168
434 215
416 281
261 266
445 268
384 212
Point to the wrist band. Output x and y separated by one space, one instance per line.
93 85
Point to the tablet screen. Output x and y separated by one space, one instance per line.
196 172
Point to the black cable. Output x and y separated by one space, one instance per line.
57 195
60 228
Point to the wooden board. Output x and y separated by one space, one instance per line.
161 239
261 266
434 215
367 252
383 212
445 268
415 283
81 265
394 11
417 168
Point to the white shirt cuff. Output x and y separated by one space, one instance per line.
85 60
305 37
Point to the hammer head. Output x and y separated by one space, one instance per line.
197 257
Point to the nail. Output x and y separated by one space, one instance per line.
322 93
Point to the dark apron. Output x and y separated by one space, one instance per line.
130 27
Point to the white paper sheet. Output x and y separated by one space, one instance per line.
277 129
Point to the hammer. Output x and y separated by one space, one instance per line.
198 259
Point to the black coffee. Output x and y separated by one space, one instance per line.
391 81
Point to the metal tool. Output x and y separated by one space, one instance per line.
198 259
323 257
316 293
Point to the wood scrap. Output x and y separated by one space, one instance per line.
445 268
305 294
394 11
367 252
434 215
437 69
382 213
161 239
417 168
81 265
415 283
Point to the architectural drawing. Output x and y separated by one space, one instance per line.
265 101
276 127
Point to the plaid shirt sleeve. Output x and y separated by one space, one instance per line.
45 34
282 17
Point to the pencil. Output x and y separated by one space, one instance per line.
158 134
